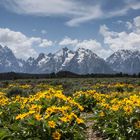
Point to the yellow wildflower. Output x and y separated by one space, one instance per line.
38 117
102 114
52 124
63 119
21 116
78 120
56 135
128 109
137 124
114 108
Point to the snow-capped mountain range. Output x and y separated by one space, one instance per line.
81 61
126 61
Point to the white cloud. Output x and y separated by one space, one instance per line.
137 24
119 22
129 25
133 4
43 32
137 21
90 14
122 40
68 42
20 44
77 11
89 44
45 43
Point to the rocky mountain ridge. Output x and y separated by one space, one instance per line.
81 61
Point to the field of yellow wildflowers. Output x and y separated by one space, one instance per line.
53 109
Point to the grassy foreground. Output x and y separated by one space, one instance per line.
59 109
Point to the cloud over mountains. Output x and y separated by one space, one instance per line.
125 39
19 43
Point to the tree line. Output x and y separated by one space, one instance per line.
61 74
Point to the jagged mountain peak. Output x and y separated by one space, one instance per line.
81 61
8 61
63 52
50 54
127 61
1 46
65 49
41 56
6 52
5 49
84 51
123 55
30 60
126 52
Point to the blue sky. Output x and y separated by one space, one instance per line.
35 26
